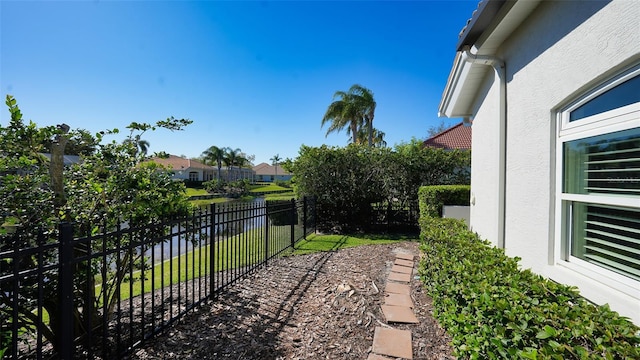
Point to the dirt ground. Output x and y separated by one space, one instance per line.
318 306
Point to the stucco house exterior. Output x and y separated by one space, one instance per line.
553 91
269 173
193 170
187 169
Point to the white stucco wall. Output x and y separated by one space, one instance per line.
555 55
484 162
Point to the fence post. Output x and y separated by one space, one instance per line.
266 232
212 251
66 335
293 223
304 217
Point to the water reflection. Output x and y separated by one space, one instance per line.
231 218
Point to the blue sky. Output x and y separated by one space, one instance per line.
251 75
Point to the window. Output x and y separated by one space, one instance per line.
599 189
193 176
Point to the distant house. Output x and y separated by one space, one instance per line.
455 137
194 170
269 173
553 88
187 169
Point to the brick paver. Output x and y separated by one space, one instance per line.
396 288
393 342
401 269
399 277
403 262
397 308
398 300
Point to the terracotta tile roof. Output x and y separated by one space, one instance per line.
456 137
178 163
266 169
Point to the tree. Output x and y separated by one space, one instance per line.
437 129
377 139
113 184
139 145
353 110
274 161
215 155
366 105
80 142
231 157
348 180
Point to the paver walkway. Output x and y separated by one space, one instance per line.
389 343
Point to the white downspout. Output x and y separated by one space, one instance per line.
499 67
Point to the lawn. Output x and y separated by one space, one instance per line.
196 192
267 188
318 243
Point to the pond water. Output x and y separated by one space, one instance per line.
229 223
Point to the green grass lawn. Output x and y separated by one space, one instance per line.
199 203
281 196
267 188
196 192
317 243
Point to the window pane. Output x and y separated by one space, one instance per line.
607 236
604 164
624 94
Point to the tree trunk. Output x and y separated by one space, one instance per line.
56 166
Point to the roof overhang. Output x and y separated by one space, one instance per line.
491 24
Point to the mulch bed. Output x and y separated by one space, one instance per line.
318 306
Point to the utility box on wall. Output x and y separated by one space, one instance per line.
456 212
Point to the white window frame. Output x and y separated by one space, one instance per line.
618 119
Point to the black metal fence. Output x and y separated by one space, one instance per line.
101 295
395 217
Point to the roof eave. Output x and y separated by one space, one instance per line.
454 103
479 22
490 25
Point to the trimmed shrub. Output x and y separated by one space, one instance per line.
283 183
492 309
346 181
432 198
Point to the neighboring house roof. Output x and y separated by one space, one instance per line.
179 163
456 137
266 169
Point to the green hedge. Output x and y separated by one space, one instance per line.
492 309
432 198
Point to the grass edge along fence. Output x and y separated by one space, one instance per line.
493 309
203 254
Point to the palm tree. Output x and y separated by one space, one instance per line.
231 159
366 105
352 110
141 146
341 114
214 153
241 162
274 161
376 140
